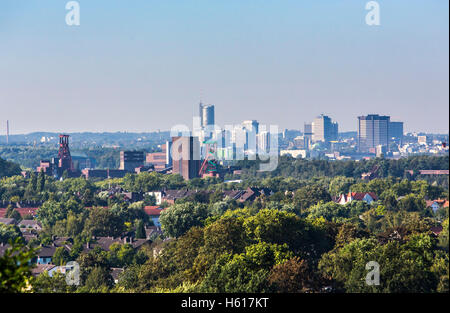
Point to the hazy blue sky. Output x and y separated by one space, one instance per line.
143 65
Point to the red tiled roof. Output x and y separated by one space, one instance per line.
434 172
360 195
153 210
22 211
356 196
440 202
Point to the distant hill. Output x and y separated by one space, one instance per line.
28 149
87 137
346 135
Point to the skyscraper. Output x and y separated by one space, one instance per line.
239 141
324 129
263 142
206 114
251 128
373 130
307 135
396 131
251 125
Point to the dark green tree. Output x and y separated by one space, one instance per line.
140 230
15 267
41 181
177 220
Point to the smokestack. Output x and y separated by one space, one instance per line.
7 131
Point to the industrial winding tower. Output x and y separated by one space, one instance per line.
209 166
65 160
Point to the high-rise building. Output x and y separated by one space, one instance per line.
206 114
186 156
263 142
251 128
373 130
238 136
324 129
251 125
396 131
130 160
168 148
307 135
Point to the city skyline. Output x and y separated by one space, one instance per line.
145 66
235 124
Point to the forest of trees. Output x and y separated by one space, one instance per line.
8 168
304 168
296 239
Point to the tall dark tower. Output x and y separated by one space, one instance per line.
65 160
7 132
200 113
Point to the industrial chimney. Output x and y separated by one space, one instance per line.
7 131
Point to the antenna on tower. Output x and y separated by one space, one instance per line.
7 131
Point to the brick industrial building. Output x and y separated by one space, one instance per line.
186 156
62 164
160 160
129 160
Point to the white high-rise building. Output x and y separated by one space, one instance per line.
263 142
251 125
251 128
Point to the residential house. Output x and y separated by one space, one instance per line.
233 194
105 243
154 211
41 268
152 230
29 234
251 193
133 196
7 221
115 273
368 197
157 195
30 224
45 254
437 204
170 196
